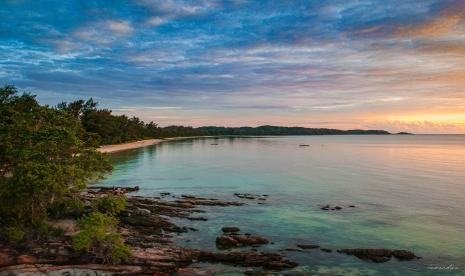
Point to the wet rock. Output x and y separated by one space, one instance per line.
192 200
249 259
292 250
327 207
230 229
251 196
352 206
326 250
404 255
231 241
308 246
378 255
114 190
197 218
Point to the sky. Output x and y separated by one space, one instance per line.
397 65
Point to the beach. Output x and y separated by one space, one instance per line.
140 144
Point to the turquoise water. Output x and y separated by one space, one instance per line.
409 193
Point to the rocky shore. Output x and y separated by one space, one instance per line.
147 228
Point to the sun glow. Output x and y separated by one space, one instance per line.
446 118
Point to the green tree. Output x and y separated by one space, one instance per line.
44 156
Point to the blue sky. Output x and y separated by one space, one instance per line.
397 65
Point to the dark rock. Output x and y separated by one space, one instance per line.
304 145
231 241
113 190
197 218
378 255
352 206
326 250
308 246
327 207
404 255
230 229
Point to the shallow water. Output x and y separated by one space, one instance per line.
409 193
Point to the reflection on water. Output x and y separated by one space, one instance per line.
409 193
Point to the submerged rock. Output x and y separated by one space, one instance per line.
327 207
379 255
230 229
308 246
237 240
197 218
250 196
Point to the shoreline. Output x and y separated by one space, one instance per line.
141 144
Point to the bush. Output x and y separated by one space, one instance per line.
66 207
110 204
97 236
14 235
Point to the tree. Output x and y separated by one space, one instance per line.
44 157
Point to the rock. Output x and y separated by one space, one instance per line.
304 145
352 206
249 259
142 211
245 196
26 259
6 259
231 241
327 207
378 255
308 246
197 218
251 196
326 250
114 190
231 229
404 255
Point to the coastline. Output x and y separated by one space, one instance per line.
141 144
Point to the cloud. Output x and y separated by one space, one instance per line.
119 27
302 62
103 32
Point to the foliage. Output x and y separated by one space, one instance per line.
110 204
65 207
43 158
14 235
106 128
97 236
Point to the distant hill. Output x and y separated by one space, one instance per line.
280 130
